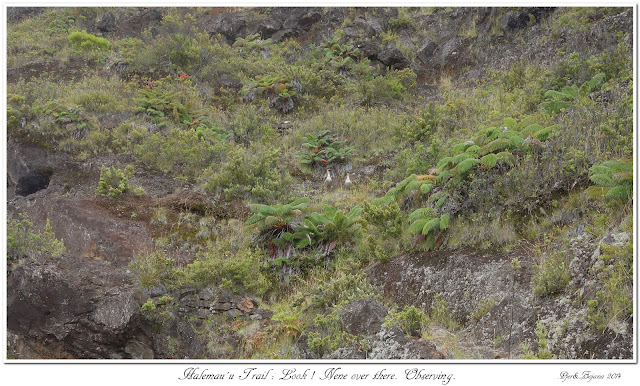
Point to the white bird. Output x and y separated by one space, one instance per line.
347 182
328 179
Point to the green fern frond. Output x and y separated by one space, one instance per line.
461 157
596 191
621 165
402 184
416 226
445 163
542 135
421 213
474 149
490 160
461 147
426 187
557 95
414 185
506 157
444 221
254 219
297 203
437 196
494 146
620 192
623 177
382 201
510 123
603 180
353 213
492 133
271 220
570 91
430 225
442 177
531 129
466 165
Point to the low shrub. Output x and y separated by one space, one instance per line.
115 182
152 269
410 319
24 240
82 40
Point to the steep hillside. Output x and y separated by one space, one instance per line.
389 183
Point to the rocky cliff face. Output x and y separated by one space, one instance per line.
85 304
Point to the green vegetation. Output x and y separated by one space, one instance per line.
410 319
441 159
86 41
24 240
542 342
115 182
614 301
323 149
613 179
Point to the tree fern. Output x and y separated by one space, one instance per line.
268 216
466 165
414 185
416 226
490 160
430 225
494 146
445 163
426 188
492 133
461 147
473 150
437 197
613 179
421 213
442 177
444 221
510 123
461 157
506 157
332 224
543 134
531 129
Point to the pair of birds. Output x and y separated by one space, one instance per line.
329 181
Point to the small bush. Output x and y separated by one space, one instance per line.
23 240
440 314
149 305
85 41
252 172
152 269
280 91
330 335
613 179
552 274
115 182
411 320
542 342
613 305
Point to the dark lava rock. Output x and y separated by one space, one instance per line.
363 317
427 51
142 19
15 14
71 307
107 23
518 19
392 57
